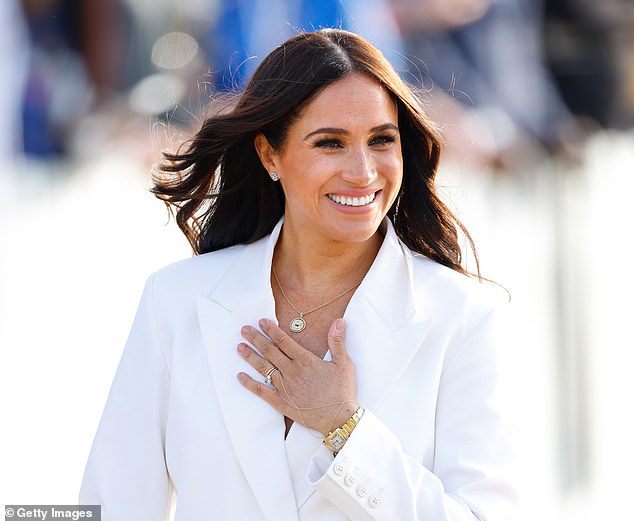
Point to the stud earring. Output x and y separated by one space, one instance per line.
274 175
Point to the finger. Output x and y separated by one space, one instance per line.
285 343
268 394
259 363
265 346
336 336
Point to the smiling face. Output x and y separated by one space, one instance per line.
341 164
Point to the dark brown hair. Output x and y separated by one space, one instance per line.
221 194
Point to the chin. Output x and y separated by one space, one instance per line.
358 233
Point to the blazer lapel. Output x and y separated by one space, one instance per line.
384 329
383 334
256 429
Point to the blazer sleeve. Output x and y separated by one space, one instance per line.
472 478
126 471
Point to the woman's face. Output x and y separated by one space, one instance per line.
341 165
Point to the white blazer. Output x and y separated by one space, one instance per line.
431 446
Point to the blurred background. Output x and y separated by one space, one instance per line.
536 102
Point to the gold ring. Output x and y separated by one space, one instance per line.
269 373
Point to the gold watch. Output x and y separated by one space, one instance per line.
337 438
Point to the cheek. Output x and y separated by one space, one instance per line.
394 178
307 166
314 172
393 168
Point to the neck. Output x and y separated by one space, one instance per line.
320 268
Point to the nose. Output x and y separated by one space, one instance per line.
360 169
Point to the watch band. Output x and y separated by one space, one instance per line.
338 437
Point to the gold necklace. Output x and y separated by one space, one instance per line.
298 324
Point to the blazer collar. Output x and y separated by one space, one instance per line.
382 309
391 271
249 278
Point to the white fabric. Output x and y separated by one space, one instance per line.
432 444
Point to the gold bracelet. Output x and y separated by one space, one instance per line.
337 438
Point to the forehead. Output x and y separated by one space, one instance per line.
353 99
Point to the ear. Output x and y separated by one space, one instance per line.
268 155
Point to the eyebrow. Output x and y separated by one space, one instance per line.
342 131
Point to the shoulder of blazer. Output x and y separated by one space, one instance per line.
453 293
459 304
196 275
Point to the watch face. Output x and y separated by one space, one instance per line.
336 441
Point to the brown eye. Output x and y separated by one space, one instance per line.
328 143
382 140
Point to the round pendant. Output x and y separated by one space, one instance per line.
297 325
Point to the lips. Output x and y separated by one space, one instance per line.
352 201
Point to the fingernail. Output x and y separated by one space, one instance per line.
241 377
245 330
263 322
242 348
339 325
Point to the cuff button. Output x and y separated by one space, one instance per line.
375 501
340 469
362 489
351 479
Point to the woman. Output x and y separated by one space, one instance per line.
312 200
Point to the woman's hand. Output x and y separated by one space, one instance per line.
318 394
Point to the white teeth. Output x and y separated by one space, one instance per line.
352 201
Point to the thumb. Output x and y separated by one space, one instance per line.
336 336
